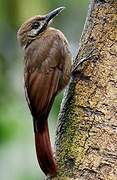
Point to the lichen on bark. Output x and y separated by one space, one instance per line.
86 142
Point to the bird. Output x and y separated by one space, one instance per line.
47 70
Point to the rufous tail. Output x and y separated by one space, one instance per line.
44 150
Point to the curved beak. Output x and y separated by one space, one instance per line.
53 13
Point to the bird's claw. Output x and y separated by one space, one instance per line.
86 58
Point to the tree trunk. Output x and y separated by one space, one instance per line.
86 143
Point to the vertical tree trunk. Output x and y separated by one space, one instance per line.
86 143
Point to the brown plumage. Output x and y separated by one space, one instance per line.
47 72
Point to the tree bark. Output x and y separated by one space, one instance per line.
86 143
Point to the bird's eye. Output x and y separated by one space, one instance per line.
35 25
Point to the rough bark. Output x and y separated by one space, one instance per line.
86 143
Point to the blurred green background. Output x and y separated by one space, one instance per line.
17 153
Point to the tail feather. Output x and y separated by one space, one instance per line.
44 150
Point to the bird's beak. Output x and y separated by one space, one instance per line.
53 13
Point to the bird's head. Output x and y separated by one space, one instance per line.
35 26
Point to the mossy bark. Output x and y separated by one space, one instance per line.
86 143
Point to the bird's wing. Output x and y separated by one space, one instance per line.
42 86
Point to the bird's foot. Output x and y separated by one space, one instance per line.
78 66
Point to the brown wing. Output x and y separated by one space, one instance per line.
42 83
41 91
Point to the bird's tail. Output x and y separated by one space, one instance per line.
44 150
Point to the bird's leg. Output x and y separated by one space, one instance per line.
86 58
